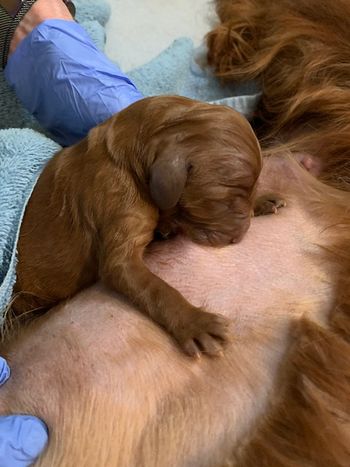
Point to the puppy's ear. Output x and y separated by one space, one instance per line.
168 176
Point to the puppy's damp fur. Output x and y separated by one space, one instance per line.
169 162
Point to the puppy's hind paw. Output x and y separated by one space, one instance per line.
268 204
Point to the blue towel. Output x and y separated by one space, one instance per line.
25 149
175 71
23 154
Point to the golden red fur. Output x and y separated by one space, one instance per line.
169 162
299 52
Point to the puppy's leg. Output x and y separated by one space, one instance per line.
195 330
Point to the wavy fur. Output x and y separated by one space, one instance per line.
299 51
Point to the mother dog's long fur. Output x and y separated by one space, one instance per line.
308 423
299 51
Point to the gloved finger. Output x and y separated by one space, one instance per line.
22 439
74 86
4 371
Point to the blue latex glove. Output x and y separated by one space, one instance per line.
22 437
66 82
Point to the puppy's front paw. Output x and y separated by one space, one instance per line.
268 204
203 332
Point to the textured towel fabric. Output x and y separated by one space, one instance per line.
92 10
175 71
24 152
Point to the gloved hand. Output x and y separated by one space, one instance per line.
22 437
66 82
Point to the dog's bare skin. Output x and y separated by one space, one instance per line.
163 161
128 397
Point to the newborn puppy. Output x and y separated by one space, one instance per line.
171 162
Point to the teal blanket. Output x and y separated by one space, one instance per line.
25 148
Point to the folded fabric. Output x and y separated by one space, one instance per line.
176 71
23 154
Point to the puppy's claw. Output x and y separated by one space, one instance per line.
268 204
205 333
191 349
212 346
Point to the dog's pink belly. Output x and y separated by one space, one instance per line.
97 344
268 268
